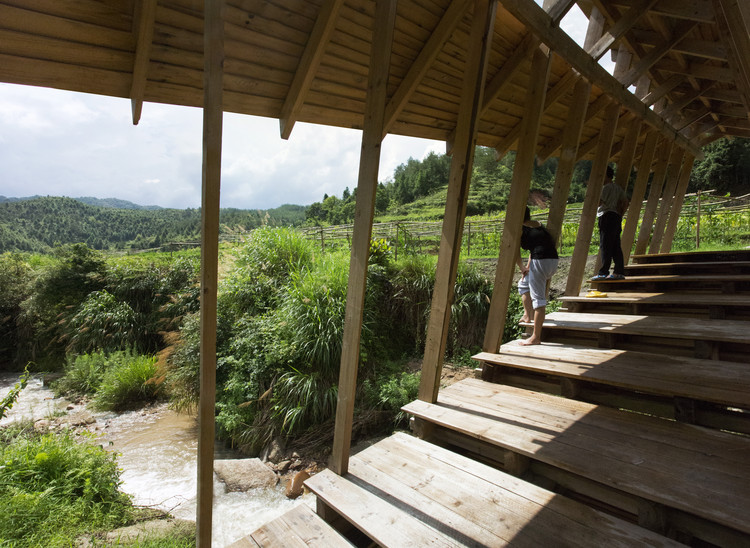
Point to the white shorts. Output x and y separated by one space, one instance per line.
540 270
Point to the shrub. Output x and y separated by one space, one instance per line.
102 323
82 374
54 487
129 378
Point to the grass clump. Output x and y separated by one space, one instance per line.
54 487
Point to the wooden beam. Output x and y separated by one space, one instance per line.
539 22
592 111
213 61
734 20
519 196
621 26
557 9
674 216
639 192
685 100
478 50
667 198
308 65
591 201
646 62
704 71
654 195
567 160
367 185
627 154
145 17
450 20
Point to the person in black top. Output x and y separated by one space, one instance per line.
541 265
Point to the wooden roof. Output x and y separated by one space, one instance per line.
307 60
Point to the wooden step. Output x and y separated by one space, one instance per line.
725 383
403 491
299 527
698 305
700 267
694 256
690 473
714 283
699 338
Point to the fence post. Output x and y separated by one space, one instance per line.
395 254
468 242
698 223
322 241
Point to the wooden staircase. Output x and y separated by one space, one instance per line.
624 428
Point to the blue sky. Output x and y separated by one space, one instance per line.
62 143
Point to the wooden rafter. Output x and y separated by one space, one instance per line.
623 25
144 36
692 10
736 21
539 22
424 60
685 100
309 63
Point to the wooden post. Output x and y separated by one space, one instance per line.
213 59
468 242
639 191
567 159
666 199
480 43
698 223
519 197
395 252
591 201
367 186
674 216
657 183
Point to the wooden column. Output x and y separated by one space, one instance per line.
591 201
567 160
458 193
639 191
679 199
657 184
367 185
213 59
667 197
519 197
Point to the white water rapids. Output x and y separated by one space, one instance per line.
157 454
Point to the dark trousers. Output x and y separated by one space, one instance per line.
610 227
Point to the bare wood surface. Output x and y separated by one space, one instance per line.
300 526
681 328
702 299
721 382
628 451
436 497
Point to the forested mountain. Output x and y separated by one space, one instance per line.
40 223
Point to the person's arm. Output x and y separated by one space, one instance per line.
519 261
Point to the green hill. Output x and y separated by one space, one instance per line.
38 224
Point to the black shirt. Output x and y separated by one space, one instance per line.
539 242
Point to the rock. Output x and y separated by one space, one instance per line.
283 466
42 425
244 474
295 487
135 535
273 451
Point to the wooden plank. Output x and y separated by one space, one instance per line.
726 383
520 513
367 186
674 216
369 512
688 299
673 174
695 256
146 18
457 197
212 132
681 328
657 183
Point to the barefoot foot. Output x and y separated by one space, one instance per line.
529 342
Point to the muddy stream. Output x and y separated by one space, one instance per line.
157 454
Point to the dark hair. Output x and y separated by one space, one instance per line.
527 215
610 172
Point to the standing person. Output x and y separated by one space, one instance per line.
538 271
612 206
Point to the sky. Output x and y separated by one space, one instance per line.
61 143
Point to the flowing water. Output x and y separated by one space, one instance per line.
157 453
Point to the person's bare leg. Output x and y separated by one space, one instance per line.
536 336
527 310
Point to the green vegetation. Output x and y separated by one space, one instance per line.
54 487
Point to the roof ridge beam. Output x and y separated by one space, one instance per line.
539 22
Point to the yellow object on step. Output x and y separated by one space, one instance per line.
595 293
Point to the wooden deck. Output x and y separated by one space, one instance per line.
546 448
